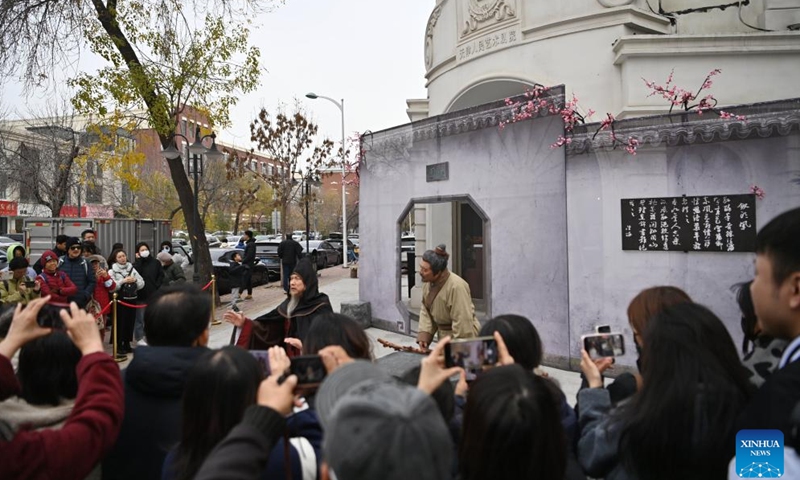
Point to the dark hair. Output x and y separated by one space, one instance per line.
444 396
337 329
88 230
512 427
778 240
166 243
47 369
112 259
693 388
117 246
749 319
437 258
520 336
219 387
650 302
140 245
17 263
177 315
288 236
6 315
88 247
61 238
249 233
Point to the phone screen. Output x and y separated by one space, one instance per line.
604 345
474 355
309 369
49 316
262 356
30 283
235 308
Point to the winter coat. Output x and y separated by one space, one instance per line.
58 285
173 274
154 383
764 358
598 446
10 293
249 257
103 289
6 273
290 252
153 274
72 451
120 272
82 275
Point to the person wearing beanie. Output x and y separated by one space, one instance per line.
17 250
173 273
54 282
21 287
290 321
79 271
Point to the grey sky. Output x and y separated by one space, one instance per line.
368 52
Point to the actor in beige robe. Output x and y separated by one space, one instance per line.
451 311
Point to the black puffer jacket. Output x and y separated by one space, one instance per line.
153 273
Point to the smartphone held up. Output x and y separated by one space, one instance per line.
474 355
604 345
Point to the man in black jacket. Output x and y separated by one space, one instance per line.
289 252
248 262
176 323
153 274
776 298
79 271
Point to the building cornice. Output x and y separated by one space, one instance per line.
768 119
654 46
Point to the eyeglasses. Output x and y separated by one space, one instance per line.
75 247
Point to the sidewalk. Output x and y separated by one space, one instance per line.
337 284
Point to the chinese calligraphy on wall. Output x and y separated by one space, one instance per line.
714 223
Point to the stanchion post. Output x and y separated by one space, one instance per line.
117 357
214 320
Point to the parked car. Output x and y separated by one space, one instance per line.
267 254
231 241
213 242
220 261
355 242
17 237
180 241
322 253
337 244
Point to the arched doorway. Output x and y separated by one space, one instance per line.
486 91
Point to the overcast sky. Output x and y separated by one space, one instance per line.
368 52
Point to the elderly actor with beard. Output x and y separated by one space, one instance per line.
446 301
289 322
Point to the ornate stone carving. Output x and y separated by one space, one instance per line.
429 35
480 12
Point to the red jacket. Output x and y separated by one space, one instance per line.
58 286
91 429
103 289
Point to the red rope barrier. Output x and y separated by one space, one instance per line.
131 305
103 311
207 285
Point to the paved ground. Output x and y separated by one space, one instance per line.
337 284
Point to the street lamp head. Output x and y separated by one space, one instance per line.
197 148
171 153
311 95
213 154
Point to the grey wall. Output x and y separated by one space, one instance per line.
603 278
514 177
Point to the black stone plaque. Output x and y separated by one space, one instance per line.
712 223
438 172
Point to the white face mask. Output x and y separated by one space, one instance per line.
144 253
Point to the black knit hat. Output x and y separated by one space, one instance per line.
17 263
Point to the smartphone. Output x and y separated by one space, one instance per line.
474 355
603 329
49 316
235 308
30 283
309 369
604 345
262 357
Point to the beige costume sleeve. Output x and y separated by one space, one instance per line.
426 323
462 313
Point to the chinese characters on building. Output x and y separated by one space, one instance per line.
714 223
488 43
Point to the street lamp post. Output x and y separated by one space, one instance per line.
195 166
314 96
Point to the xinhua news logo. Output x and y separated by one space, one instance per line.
759 454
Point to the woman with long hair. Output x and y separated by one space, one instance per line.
511 428
218 390
124 275
762 352
680 424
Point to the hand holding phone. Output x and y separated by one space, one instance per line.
309 369
604 345
235 308
474 355
262 357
